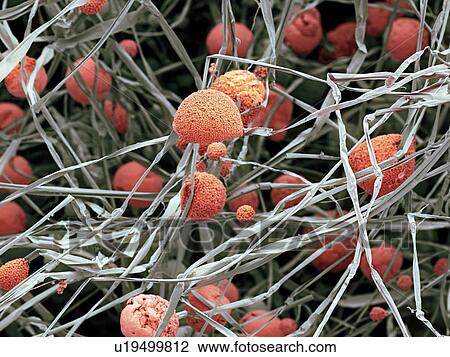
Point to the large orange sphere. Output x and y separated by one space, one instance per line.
214 39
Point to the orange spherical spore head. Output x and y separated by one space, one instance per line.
215 151
129 174
404 282
130 47
261 323
402 40
378 313
92 76
225 167
13 81
386 261
441 266
93 7
17 170
242 87
230 290
288 326
214 39
377 20
250 198
10 113
336 251
207 116
385 147
209 196
277 194
12 219
245 214
143 314
117 114
281 116
215 297
304 32
343 40
13 273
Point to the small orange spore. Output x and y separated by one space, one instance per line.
378 313
9 114
215 151
277 194
13 273
214 39
12 219
250 198
130 47
404 282
245 214
343 40
441 266
93 7
377 20
225 167
117 114
260 323
17 170
382 258
13 81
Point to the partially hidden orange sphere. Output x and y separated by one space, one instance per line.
231 291
215 297
402 40
13 273
441 266
93 6
404 282
13 81
378 313
143 314
18 170
377 19
215 151
261 323
117 114
244 88
277 194
12 219
10 113
130 47
214 39
182 144
225 167
385 147
385 260
403 4
207 116
245 214
250 198
208 199
281 116
336 251
304 33
343 40
129 174
92 76
288 326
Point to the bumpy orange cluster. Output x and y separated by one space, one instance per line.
250 198
13 273
13 81
129 174
335 252
12 219
404 282
214 39
277 194
245 88
402 40
93 6
441 266
207 116
281 117
18 170
245 214
304 33
378 313
215 151
377 19
343 40
385 260
130 47
385 147
215 297
208 199
143 314
261 323
117 114
92 76
9 114
182 144
225 167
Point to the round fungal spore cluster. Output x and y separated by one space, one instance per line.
13 273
